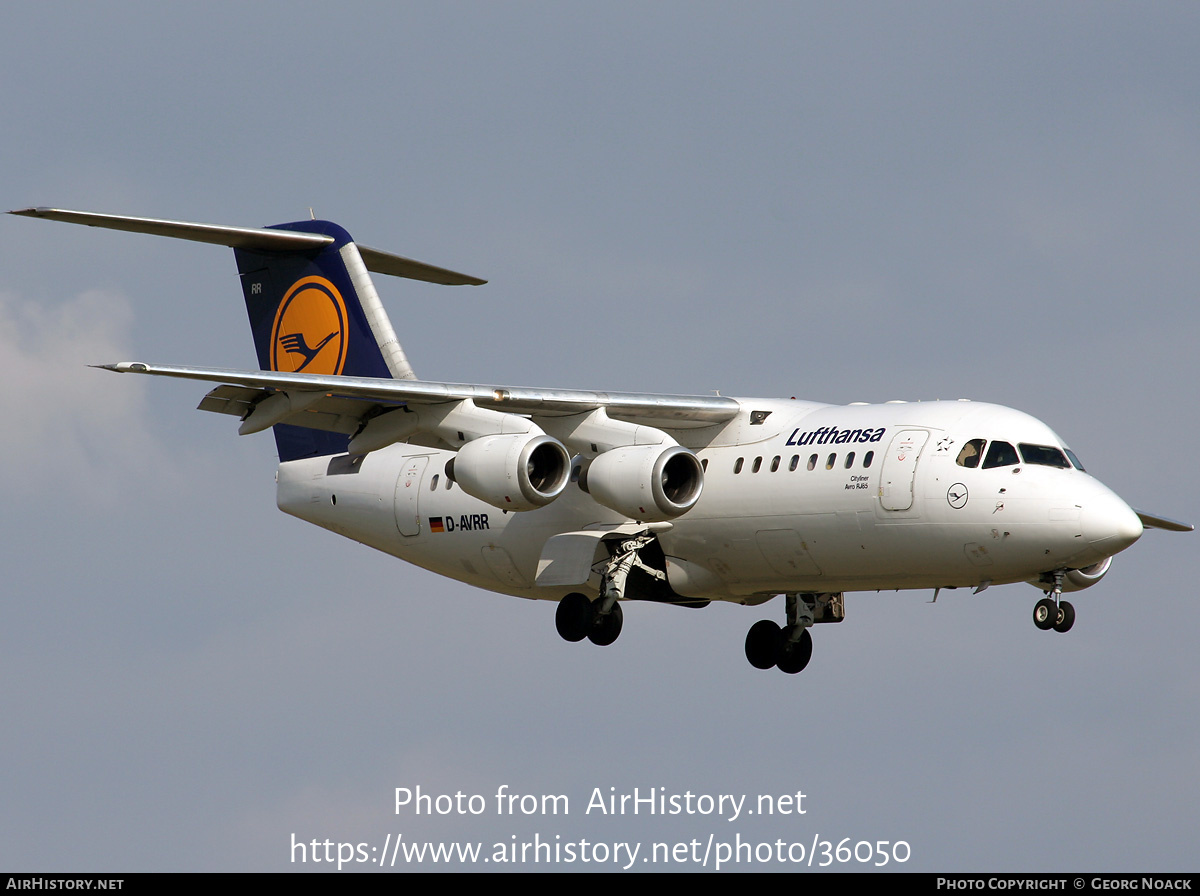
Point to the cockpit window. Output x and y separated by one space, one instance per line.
971 453
1074 460
1000 454
1044 455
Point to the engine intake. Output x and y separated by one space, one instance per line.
1078 579
651 483
1075 579
514 472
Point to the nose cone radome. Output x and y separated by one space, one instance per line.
1109 524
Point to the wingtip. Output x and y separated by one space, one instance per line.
122 367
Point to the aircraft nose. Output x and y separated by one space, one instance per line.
1109 524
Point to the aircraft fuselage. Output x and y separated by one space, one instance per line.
812 498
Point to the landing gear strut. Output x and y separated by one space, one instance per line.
600 620
790 647
1051 612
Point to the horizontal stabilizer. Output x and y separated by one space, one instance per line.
399 266
262 239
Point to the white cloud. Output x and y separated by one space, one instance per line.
64 422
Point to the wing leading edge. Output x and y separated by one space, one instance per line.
354 399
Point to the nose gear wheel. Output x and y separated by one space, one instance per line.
1051 612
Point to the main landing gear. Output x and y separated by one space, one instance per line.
1051 612
790 647
600 620
578 618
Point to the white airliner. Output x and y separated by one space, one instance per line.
591 499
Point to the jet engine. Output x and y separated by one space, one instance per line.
523 471
1075 579
1078 579
651 483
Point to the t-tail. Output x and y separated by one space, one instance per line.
310 300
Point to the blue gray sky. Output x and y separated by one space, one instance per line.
858 203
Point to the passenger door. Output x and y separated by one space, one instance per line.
900 469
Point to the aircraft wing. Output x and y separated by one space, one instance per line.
1151 521
341 403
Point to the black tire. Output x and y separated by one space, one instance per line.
574 617
763 642
606 629
1045 614
794 655
1066 617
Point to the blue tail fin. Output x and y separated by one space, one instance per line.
315 311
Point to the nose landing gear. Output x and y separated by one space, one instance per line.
1051 612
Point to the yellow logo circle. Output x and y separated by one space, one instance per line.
309 335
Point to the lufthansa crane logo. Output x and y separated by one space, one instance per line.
310 329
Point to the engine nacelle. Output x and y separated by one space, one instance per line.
651 483
1076 579
523 471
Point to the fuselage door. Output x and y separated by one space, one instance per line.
900 468
408 487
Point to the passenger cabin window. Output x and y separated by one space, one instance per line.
1000 454
849 460
757 464
433 482
829 464
1044 456
971 453
867 458
775 464
737 465
795 463
812 462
